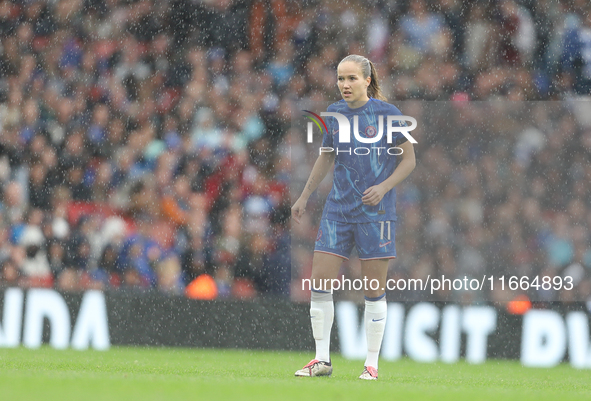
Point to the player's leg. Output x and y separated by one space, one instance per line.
333 245
324 267
375 244
376 310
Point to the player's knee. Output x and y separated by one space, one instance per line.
320 282
373 288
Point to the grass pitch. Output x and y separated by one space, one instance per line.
195 374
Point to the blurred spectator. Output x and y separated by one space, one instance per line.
421 28
517 34
577 54
35 267
481 39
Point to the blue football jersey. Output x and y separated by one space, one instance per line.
354 173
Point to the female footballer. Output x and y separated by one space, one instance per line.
360 209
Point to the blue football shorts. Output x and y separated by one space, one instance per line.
372 240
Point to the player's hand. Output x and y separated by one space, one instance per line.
298 209
372 196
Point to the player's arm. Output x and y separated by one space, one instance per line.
321 167
373 195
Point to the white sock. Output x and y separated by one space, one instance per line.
376 310
321 315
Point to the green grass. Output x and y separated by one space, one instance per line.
195 374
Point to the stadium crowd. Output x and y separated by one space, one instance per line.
144 144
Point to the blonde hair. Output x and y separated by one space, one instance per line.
368 70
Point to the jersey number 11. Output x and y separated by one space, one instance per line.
382 229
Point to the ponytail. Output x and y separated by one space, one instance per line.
374 90
368 70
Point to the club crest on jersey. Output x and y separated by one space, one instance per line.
371 131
